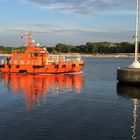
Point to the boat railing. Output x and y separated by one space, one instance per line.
62 58
73 59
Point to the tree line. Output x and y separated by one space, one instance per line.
89 48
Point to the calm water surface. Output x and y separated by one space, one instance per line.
87 106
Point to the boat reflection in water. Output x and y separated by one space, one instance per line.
133 93
36 87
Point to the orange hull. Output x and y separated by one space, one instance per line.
37 60
47 69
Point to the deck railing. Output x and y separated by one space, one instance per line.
56 58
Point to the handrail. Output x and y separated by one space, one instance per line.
57 58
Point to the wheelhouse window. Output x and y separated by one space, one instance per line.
31 54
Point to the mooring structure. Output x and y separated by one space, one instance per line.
131 74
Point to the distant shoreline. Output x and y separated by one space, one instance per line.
5 54
116 55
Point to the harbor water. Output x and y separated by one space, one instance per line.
83 106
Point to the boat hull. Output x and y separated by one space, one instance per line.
46 69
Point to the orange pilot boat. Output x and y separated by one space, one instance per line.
37 60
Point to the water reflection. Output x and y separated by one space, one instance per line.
36 87
128 91
134 94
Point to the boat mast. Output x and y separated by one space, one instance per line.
137 32
29 39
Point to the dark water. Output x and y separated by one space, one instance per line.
87 106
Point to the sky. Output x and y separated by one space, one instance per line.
72 22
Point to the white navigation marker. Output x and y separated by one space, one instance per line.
136 63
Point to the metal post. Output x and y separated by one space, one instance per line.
136 63
137 32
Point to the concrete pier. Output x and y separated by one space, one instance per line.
128 76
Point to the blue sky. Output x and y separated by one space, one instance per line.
67 21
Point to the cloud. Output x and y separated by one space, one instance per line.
52 35
81 6
46 28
